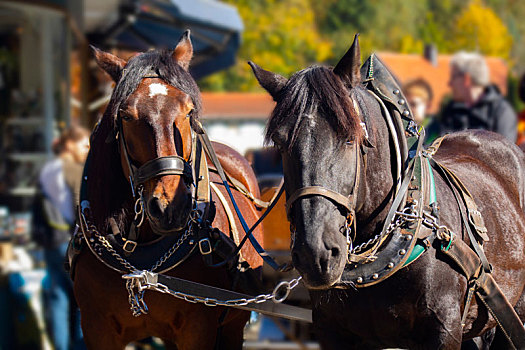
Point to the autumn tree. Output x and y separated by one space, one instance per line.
478 28
281 36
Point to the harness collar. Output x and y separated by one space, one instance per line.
373 261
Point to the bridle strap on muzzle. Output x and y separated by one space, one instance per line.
338 198
348 202
161 166
169 165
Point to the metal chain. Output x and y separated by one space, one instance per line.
136 300
407 215
138 282
443 233
161 260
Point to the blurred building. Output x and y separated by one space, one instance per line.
47 78
35 45
237 119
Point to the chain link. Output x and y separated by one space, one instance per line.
402 217
188 232
138 282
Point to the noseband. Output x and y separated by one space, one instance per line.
347 202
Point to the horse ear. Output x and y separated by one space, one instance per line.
110 63
348 68
271 82
184 50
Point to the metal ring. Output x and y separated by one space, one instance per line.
276 290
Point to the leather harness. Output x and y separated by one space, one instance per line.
412 219
122 253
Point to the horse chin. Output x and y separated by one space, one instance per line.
317 280
319 284
168 227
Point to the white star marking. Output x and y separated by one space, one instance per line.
157 89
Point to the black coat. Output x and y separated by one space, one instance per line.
492 112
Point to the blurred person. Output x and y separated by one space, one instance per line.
476 104
53 221
419 97
521 116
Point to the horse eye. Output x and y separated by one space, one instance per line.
349 142
190 113
125 117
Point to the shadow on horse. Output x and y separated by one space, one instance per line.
384 232
139 211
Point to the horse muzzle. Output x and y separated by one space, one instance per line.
168 218
321 267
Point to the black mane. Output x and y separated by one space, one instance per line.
316 89
108 190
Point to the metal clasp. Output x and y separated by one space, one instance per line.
129 246
205 246
277 290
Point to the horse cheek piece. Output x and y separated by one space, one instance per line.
385 268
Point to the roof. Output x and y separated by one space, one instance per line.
408 67
236 105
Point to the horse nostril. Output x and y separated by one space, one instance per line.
323 265
156 209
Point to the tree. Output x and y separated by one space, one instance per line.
281 36
478 28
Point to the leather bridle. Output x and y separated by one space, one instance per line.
160 166
138 176
347 202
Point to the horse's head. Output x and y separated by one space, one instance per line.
152 107
317 126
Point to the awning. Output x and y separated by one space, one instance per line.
144 24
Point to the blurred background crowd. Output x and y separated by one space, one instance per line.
459 64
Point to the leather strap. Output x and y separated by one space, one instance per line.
234 232
456 184
273 202
488 292
248 232
319 191
241 188
170 165
348 202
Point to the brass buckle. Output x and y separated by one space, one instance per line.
129 246
205 246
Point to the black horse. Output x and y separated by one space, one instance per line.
344 166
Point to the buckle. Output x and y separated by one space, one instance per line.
205 246
129 246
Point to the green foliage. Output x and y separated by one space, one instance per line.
280 36
478 28
286 35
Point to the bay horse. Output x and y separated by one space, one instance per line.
138 195
345 168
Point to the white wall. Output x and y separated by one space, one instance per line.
239 135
